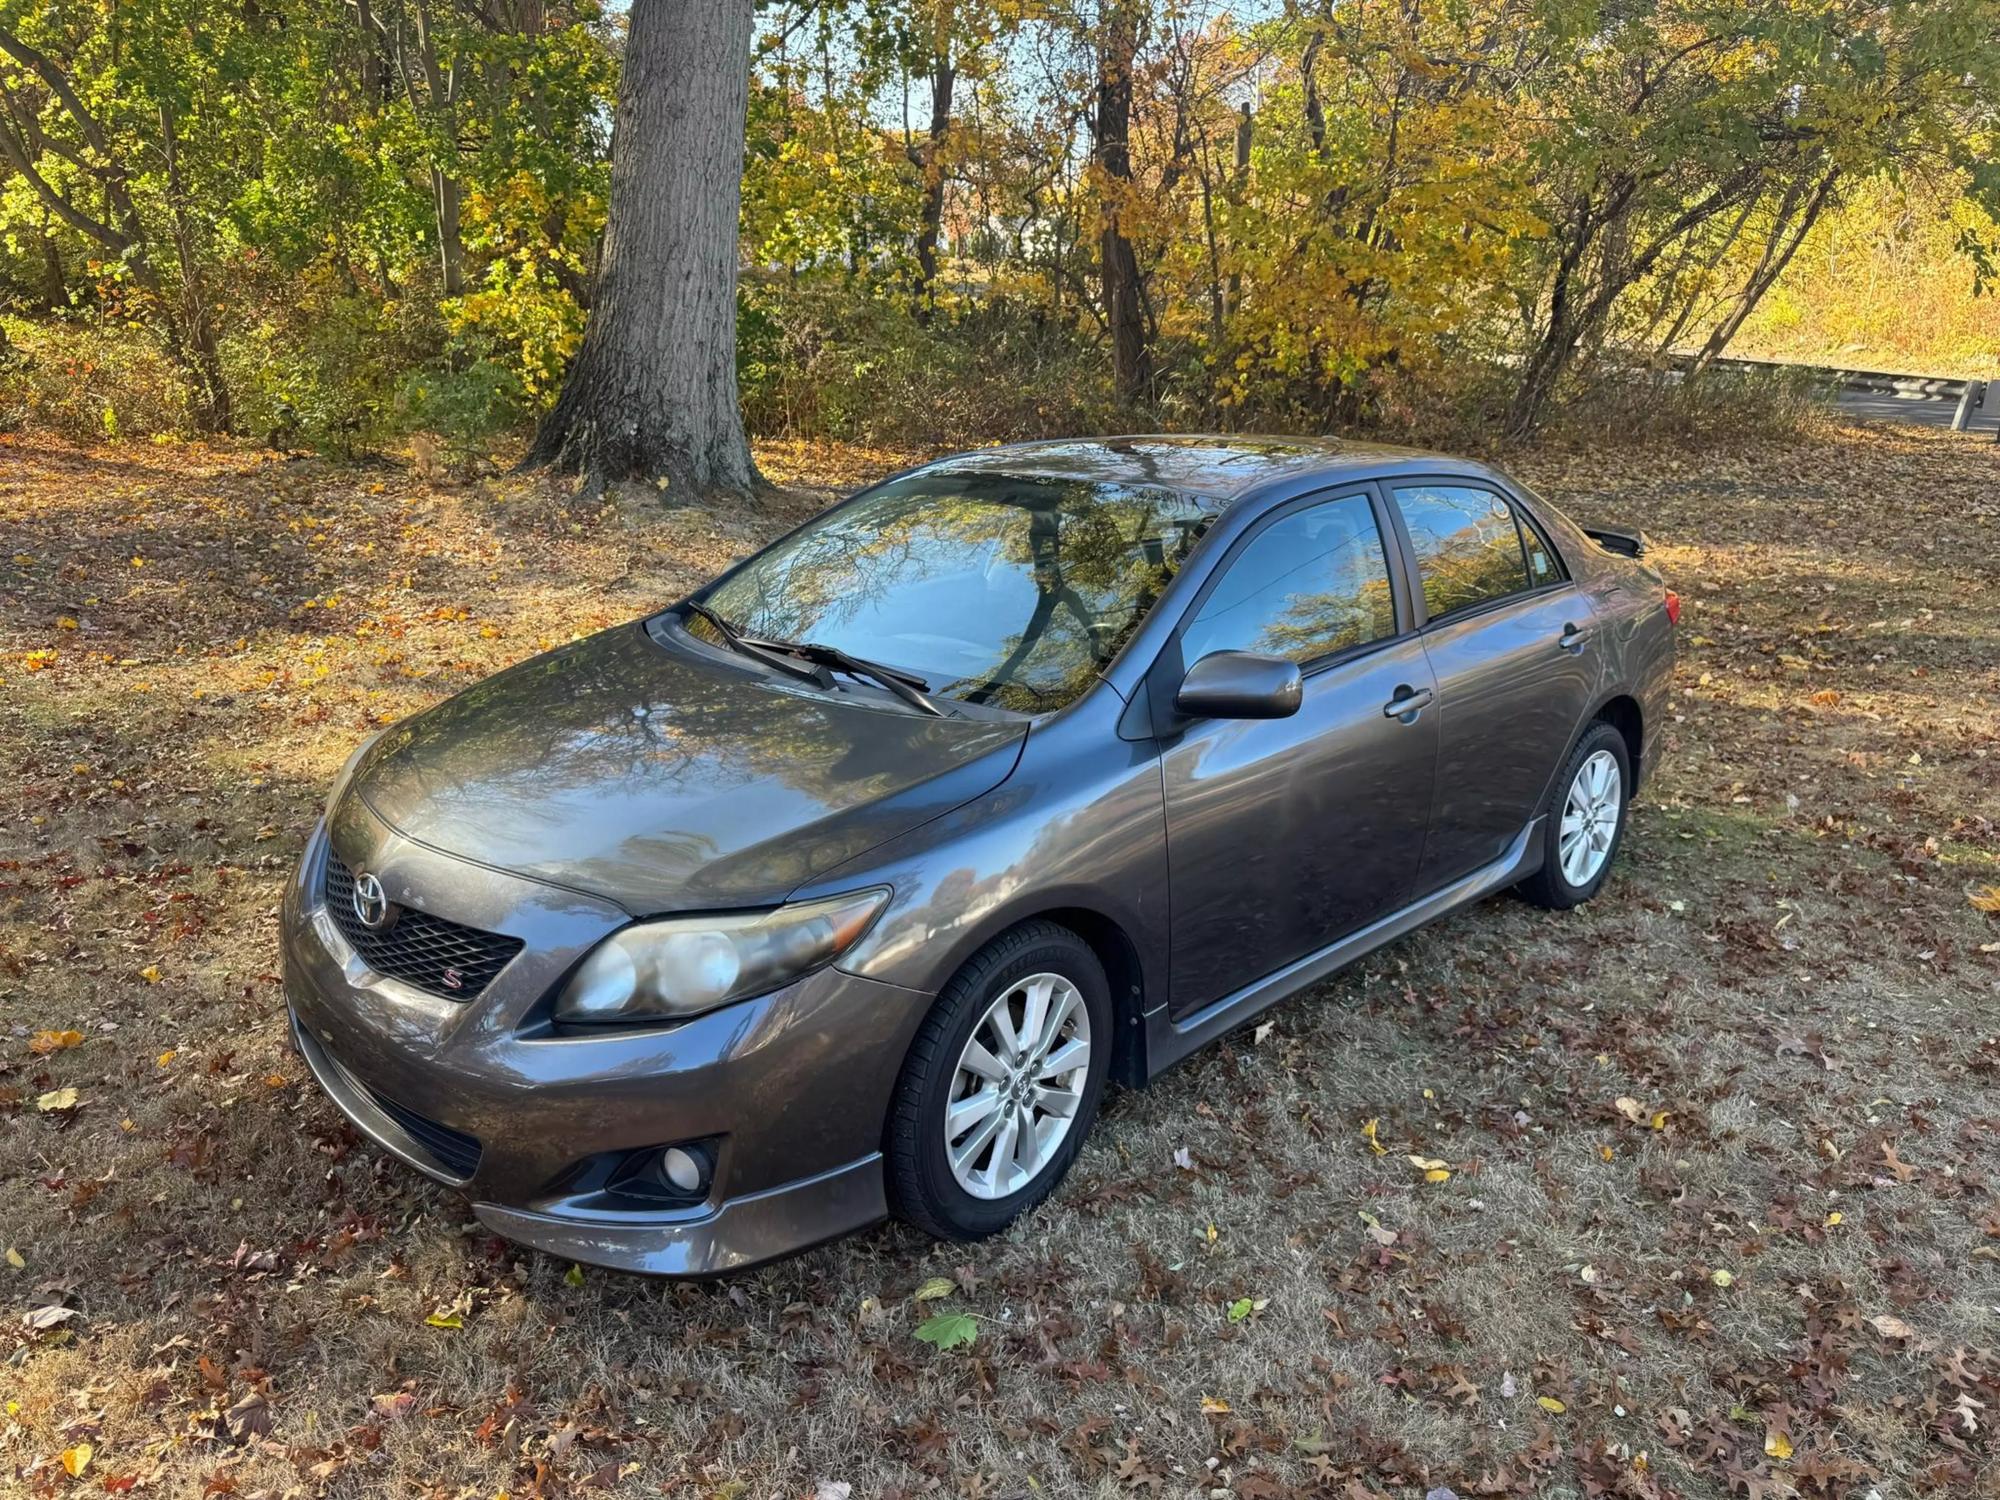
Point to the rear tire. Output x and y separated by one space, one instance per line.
1583 821
1040 991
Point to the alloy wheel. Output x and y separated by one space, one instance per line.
1018 1085
1590 818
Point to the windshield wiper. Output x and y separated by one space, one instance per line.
756 649
905 685
787 656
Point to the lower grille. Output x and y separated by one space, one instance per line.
457 1152
443 958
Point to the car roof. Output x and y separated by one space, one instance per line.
1217 466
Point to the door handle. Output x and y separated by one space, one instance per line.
1573 639
1408 703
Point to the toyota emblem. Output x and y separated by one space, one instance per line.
371 903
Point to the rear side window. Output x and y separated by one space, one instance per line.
1309 584
1542 566
1468 548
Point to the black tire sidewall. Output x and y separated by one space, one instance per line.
920 1174
1599 736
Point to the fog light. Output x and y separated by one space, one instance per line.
684 1169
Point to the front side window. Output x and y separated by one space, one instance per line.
1468 548
993 588
1309 584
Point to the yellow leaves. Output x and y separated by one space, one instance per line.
151 973
934 1288
1368 1134
66 622
445 1320
166 1058
1723 1279
1776 1444
1433 1169
57 1101
40 661
42 1043
1986 899
1214 1406
76 1460
1550 1404
15 1259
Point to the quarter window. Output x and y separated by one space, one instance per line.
1309 584
1468 548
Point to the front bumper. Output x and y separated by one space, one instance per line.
793 1088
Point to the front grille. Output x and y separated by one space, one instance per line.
457 1152
445 958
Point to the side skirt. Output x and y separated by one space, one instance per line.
1168 1041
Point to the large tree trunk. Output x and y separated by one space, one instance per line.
1124 315
652 391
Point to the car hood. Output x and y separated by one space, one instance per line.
646 774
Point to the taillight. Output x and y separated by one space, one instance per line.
1673 608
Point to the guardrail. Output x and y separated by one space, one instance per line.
1973 398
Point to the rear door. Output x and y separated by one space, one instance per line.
1512 642
1285 834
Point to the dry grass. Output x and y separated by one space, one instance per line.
1786 973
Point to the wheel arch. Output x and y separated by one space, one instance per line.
1623 713
1115 949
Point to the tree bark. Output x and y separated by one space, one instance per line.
1778 253
652 391
930 161
1124 316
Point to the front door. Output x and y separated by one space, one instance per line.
1284 835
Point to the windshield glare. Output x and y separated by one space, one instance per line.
995 589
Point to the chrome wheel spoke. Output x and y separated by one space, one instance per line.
1060 1102
969 1111
1018 1086
976 1059
1071 1055
1590 818
965 1155
1036 994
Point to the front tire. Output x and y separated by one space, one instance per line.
1584 822
1001 1084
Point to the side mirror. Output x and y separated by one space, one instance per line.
1240 685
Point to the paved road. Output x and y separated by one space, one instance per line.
1929 411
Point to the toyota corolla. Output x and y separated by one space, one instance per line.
844 888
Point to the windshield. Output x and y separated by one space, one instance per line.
992 588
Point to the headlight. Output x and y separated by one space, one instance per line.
681 966
347 771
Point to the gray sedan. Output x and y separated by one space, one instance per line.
843 888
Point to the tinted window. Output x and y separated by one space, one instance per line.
1310 583
992 588
1468 550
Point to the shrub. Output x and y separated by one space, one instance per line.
828 362
85 378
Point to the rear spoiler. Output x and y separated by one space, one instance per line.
1617 539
